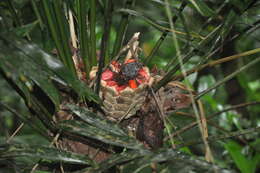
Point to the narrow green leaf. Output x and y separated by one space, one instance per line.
161 27
48 12
118 159
181 161
148 59
230 20
37 108
93 33
78 86
41 67
148 19
103 135
37 13
57 29
228 77
83 33
23 68
13 12
96 120
244 165
240 4
25 119
104 43
122 28
62 26
42 152
202 7
175 67
137 160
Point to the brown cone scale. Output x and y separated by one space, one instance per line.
121 100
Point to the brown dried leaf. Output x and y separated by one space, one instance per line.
150 127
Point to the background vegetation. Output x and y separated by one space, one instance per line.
218 41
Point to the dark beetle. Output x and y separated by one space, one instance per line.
128 72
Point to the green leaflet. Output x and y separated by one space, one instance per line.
104 135
95 120
27 59
22 68
245 165
202 8
42 152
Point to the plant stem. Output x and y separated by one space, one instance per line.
37 13
199 116
52 23
83 34
104 42
148 59
13 13
216 62
25 120
63 30
168 77
122 28
220 137
93 59
227 78
193 124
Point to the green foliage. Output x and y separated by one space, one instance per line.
202 8
193 31
83 36
244 164
22 69
44 153
59 30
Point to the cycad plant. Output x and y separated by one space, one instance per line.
129 86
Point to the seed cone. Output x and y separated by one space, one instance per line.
122 102
124 84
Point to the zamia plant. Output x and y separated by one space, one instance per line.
103 102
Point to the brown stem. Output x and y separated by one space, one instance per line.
216 62
215 138
193 124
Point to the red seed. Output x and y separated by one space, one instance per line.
116 65
111 83
140 80
130 60
132 84
107 75
120 88
143 73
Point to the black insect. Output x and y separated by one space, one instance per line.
128 72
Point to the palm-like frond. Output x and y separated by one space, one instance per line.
49 84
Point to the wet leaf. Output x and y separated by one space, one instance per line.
23 58
22 68
244 165
96 120
104 135
175 160
118 159
42 152
169 158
